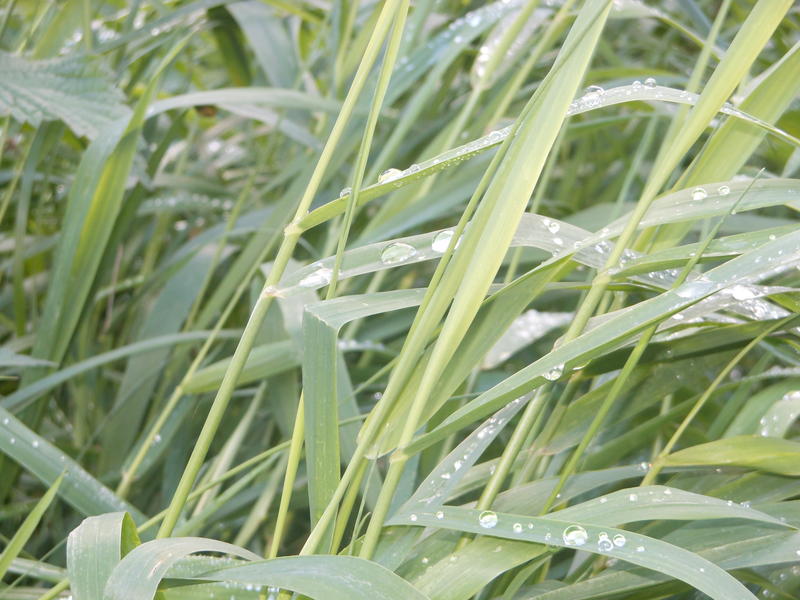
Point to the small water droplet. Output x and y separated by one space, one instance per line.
636 85
517 527
13 440
425 560
699 193
633 497
742 292
397 252
554 373
439 514
619 540
723 190
389 175
345 192
487 519
650 82
575 535
35 443
603 500
412 517
640 548
5 421
772 237
552 226
604 543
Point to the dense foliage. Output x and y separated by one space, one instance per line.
382 299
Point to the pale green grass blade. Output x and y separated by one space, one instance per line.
768 454
48 463
322 578
26 529
631 547
94 548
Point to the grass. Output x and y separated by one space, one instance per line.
400 300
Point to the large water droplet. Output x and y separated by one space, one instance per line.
575 535
698 193
442 240
742 292
619 540
345 192
487 519
554 373
517 527
320 277
604 543
723 190
389 175
397 252
650 82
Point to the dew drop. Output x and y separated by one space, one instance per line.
554 373
575 535
517 527
604 543
5 421
551 225
487 519
425 560
397 252
442 240
619 540
699 193
412 517
640 548
742 292
13 440
35 443
345 192
650 82
320 277
723 190
439 514
633 497
636 85
389 175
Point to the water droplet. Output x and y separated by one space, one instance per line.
439 514
604 543
603 500
575 535
517 527
389 175
35 443
554 373
742 292
644 466
551 226
13 440
636 85
650 82
698 193
487 519
668 492
424 560
320 277
723 190
633 497
412 517
345 192
619 540
5 421
397 252
640 548
442 240
772 237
